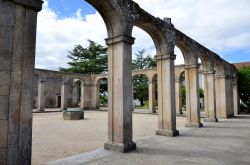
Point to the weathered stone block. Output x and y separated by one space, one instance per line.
3 133
73 114
120 147
165 132
4 83
4 106
196 125
3 156
210 120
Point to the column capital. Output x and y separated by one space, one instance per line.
191 66
120 38
165 56
208 72
32 4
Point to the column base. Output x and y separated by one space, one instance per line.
179 113
120 147
210 120
152 111
40 110
196 125
167 132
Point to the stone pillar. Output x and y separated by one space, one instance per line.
151 96
192 96
17 57
120 94
87 95
166 95
64 96
75 95
97 96
224 105
209 96
236 99
41 97
178 95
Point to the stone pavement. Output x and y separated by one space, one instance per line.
223 143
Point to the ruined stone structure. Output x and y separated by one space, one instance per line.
17 54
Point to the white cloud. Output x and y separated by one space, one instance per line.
56 36
218 24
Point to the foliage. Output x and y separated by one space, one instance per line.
90 60
140 88
244 86
141 62
183 94
140 82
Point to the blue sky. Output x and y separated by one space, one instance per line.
221 25
67 8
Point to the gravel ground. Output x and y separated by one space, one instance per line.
55 138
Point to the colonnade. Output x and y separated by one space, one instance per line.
18 22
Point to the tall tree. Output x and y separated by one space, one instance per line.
140 82
244 86
90 60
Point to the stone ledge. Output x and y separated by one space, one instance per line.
73 115
196 125
167 132
120 147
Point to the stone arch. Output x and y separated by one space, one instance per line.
112 16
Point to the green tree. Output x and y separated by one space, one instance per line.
141 62
244 86
90 60
140 82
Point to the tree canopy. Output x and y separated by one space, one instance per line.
90 60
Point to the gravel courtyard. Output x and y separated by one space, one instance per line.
55 138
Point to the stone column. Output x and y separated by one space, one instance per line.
178 95
64 96
209 96
236 99
41 97
192 96
17 58
151 96
87 95
224 105
97 96
120 94
75 95
166 95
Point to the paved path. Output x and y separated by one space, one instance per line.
223 143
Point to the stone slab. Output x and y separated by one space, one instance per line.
196 125
4 107
3 133
210 120
165 132
73 115
119 147
3 156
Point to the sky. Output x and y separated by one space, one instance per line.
223 26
